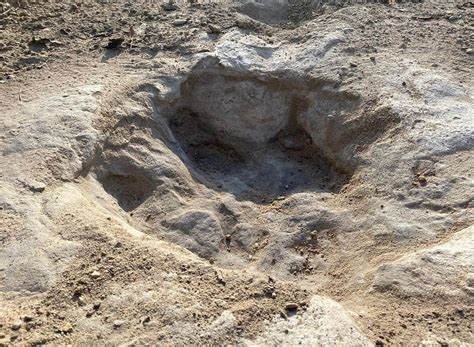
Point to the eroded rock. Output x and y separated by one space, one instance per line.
325 322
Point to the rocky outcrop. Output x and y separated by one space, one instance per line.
216 198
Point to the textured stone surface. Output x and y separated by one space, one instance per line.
445 270
325 322
201 198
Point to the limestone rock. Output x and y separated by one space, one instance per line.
325 322
446 269
196 230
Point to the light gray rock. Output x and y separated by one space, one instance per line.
446 269
253 113
179 22
248 236
324 323
267 12
249 53
197 230
43 147
50 127
224 323
170 6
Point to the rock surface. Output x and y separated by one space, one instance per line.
446 269
324 323
267 177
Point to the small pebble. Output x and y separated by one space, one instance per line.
179 22
37 187
215 29
220 280
95 274
118 323
66 328
16 326
81 301
422 179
